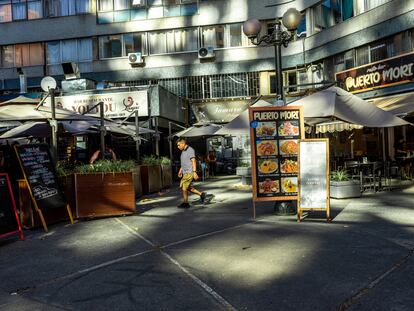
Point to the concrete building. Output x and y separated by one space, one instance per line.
168 37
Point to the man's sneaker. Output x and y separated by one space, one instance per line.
184 205
203 196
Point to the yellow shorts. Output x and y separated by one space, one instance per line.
186 180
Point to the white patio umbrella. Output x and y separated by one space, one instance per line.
240 125
199 130
43 129
336 103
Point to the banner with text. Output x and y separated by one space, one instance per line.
116 105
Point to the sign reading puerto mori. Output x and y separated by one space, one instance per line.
391 71
274 136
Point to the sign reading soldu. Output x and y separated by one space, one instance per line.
391 71
116 105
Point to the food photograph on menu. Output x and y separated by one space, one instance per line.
266 129
269 186
266 148
289 184
269 166
288 128
289 166
288 147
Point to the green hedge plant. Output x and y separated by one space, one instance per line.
106 166
150 160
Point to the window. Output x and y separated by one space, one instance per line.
120 45
326 14
213 36
135 42
235 34
381 50
177 40
110 46
361 56
362 6
7 55
67 7
76 50
344 61
22 55
34 9
5 12
110 11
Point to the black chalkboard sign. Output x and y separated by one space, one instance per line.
40 173
9 221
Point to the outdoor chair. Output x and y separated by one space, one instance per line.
372 176
353 169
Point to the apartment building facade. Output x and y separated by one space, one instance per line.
36 37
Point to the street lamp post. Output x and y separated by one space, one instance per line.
279 37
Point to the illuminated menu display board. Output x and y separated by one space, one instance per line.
274 135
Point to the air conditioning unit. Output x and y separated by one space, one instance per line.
206 52
135 58
138 3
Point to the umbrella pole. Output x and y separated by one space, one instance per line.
137 142
103 130
53 123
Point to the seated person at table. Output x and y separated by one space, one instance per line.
109 154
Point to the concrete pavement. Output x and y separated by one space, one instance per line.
216 257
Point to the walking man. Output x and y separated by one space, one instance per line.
188 172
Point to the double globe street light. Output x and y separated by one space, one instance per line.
279 37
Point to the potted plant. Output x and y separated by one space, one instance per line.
151 178
104 188
342 187
245 171
166 172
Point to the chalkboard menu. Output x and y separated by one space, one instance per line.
313 175
9 221
40 173
274 134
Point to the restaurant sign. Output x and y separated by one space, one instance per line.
219 112
391 71
116 105
274 135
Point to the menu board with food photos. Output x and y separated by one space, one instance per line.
274 134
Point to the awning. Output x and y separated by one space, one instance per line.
336 126
400 104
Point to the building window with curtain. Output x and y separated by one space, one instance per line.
67 7
22 55
14 10
111 11
213 36
79 51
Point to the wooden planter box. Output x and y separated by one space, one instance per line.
151 178
166 172
136 174
345 189
109 194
